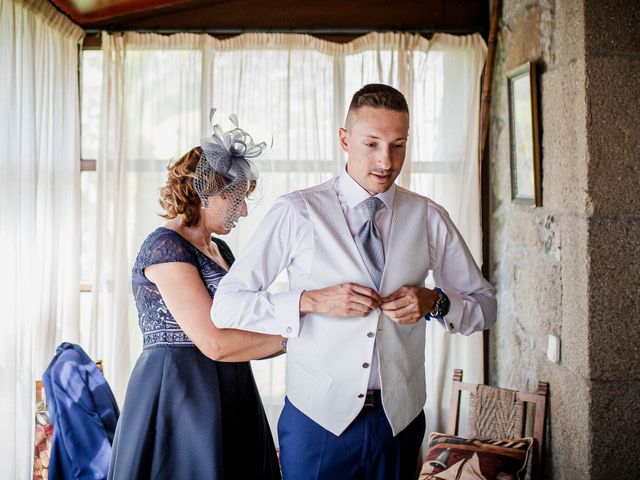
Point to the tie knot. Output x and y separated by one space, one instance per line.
370 206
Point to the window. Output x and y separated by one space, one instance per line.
90 92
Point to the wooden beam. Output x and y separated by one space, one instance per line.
488 77
237 16
485 171
88 11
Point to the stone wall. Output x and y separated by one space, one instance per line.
571 268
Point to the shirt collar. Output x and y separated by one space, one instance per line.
354 194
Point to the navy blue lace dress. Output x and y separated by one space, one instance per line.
185 415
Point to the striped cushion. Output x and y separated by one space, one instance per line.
458 458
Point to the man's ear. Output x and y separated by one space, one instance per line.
344 139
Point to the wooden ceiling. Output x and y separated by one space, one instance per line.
236 16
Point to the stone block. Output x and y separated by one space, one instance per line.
514 355
513 9
531 291
528 280
574 353
613 90
568 33
612 27
614 340
531 229
563 150
615 424
524 40
567 449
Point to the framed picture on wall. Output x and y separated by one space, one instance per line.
526 182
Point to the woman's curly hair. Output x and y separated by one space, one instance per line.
178 196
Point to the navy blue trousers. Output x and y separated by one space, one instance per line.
366 450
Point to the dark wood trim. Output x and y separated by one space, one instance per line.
487 81
485 170
88 165
268 15
92 41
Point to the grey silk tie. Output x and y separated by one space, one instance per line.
369 242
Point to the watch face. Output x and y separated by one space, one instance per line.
442 304
446 304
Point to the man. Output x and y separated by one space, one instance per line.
358 250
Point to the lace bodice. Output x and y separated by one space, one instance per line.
162 246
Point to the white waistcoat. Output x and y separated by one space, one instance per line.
328 364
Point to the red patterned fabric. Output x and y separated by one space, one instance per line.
42 443
457 458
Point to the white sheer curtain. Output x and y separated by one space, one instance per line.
39 211
445 167
296 89
150 114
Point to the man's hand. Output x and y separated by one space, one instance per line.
345 300
409 304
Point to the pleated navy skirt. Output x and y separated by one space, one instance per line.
186 416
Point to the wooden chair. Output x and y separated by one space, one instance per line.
538 400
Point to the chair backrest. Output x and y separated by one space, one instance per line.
538 400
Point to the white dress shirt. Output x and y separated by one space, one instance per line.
350 195
285 240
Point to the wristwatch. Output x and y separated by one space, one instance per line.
441 308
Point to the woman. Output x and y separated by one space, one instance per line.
192 409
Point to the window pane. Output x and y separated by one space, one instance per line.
85 319
87 225
91 92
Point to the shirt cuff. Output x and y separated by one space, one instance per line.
451 320
287 312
